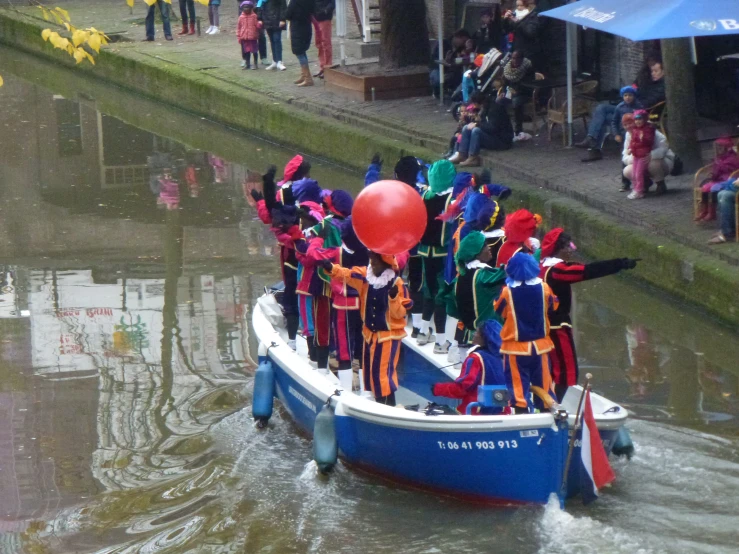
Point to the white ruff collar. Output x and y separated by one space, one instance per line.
534 281
549 262
475 264
378 282
347 249
447 191
493 234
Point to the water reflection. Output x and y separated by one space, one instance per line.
129 263
659 360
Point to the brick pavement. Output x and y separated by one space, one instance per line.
419 121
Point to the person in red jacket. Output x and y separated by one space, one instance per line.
642 142
560 274
247 32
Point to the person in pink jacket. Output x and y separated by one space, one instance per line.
247 32
642 142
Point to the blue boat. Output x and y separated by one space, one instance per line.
513 459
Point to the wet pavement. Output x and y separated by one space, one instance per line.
126 360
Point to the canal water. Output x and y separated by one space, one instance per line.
126 358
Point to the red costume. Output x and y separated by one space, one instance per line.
560 276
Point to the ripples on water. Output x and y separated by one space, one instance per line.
125 376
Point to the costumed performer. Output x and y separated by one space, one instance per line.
523 304
560 274
384 303
482 366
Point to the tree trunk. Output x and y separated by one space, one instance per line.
404 36
682 116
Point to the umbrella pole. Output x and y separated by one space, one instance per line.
440 39
570 29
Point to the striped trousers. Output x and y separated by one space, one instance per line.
379 366
521 372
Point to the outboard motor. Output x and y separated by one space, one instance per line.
325 448
264 393
490 396
622 445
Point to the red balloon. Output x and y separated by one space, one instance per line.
389 217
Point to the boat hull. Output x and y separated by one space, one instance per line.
493 459
514 466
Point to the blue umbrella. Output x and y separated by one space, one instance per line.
653 19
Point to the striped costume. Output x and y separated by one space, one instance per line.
525 336
560 276
384 326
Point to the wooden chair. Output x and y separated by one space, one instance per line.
658 116
582 101
530 110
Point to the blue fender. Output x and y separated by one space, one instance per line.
622 445
325 448
264 393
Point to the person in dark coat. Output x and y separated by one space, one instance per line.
493 132
490 33
299 13
528 32
273 15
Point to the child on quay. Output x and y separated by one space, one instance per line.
724 165
469 113
213 17
642 142
247 33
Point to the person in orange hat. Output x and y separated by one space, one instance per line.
384 303
520 227
556 248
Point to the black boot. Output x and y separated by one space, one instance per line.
292 323
322 353
661 188
587 142
388 400
594 155
311 349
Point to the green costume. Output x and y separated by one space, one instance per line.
476 287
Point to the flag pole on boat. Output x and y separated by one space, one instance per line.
585 388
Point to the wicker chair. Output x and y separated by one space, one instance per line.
658 116
582 102
702 176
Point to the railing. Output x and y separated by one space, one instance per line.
366 24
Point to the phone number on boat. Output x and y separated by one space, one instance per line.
479 445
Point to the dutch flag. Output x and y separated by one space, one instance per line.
597 472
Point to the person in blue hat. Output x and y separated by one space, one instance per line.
482 366
524 304
607 118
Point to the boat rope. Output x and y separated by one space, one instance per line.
336 392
